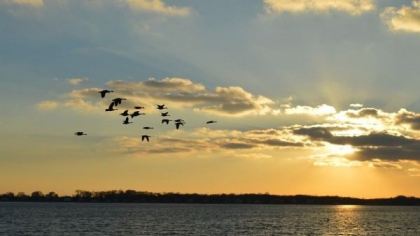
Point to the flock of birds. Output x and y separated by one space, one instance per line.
145 137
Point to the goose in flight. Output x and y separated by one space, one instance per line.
178 124
136 113
211 122
118 101
80 133
125 113
147 127
111 107
126 121
166 121
164 114
138 107
161 107
145 137
104 92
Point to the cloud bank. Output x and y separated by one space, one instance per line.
178 93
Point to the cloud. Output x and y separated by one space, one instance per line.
180 93
204 140
352 7
32 3
47 105
364 112
356 105
76 81
158 6
404 19
383 146
321 110
410 118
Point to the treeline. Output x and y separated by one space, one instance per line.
132 196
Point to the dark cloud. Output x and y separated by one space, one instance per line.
278 143
364 112
371 146
237 145
410 118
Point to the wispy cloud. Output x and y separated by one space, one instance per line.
404 19
158 6
47 105
76 81
352 7
32 3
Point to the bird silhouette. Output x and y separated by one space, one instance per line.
145 137
136 113
111 107
80 133
125 113
166 121
138 107
180 121
147 127
178 124
118 101
211 122
126 121
161 107
164 114
104 92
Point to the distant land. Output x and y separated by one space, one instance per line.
132 196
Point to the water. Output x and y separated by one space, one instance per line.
185 219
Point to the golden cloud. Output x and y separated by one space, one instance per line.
158 6
352 7
181 93
404 19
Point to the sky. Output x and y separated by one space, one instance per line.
310 97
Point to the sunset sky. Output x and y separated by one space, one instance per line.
311 97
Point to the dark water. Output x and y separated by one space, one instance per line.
184 219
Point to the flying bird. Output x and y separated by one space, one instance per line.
211 122
138 107
166 121
125 113
180 121
80 133
104 92
136 113
165 114
111 107
178 124
145 137
126 121
161 107
147 127
118 101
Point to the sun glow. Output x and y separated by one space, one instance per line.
340 150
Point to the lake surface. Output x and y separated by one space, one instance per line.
190 219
